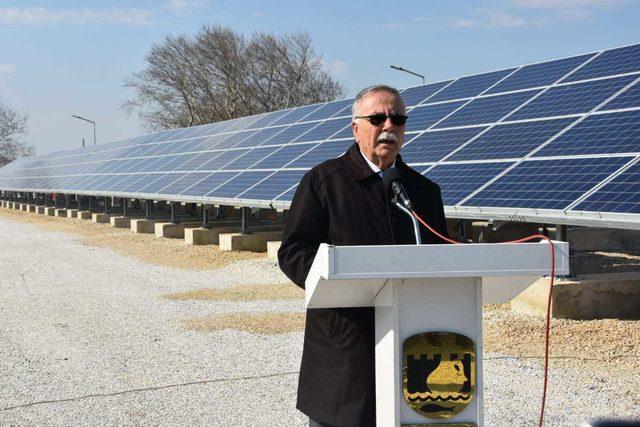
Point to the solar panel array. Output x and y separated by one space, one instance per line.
553 141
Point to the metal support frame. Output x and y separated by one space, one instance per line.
148 204
66 201
244 227
174 213
561 232
465 227
205 216
106 204
124 206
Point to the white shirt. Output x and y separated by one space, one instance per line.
373 166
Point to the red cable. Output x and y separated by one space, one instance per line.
549 299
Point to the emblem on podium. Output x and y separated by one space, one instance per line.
438 373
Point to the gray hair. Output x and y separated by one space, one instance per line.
368 91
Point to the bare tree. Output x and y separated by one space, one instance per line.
13 128
220 74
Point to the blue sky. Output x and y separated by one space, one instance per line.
59 58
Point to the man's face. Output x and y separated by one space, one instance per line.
375 141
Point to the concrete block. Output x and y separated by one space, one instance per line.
16 206
40 210
591 296
85 215
23 207
206 236
272 249
120 222
169 230
588 239
31 208
268 215
256 242
143 226
100 218
61 213
50 211
72 213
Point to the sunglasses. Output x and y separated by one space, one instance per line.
378 119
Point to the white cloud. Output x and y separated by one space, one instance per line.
183 6
531 13
39 15
339 67
502 19
463 23
6 70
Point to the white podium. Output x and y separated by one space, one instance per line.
424 295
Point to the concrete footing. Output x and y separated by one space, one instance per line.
16 206
100 218
72 213
592 296
50 211
272 249
61 213
120 221
206 236
31 208
23 207
85 215
256 242
40 210
169 230
143 226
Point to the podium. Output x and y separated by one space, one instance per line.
428 317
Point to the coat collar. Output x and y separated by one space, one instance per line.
358 166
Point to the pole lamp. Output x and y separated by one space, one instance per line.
90 121
395 67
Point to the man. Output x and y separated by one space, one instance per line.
344 202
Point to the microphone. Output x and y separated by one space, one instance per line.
391 179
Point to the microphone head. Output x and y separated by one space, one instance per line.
390 175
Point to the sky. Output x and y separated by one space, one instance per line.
60 58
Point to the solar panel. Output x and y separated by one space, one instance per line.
269 189
239 184
459 180
415 95
511 140
572 99
609 63
504 144
599 134
536 75
547 184
620 195
628 99
432 146
467 87
487 110
423 117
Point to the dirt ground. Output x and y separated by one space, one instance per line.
605 347
144 247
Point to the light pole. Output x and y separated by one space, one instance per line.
94 126
395 67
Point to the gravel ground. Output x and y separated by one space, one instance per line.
89 336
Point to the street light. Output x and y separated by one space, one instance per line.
94 126
395 67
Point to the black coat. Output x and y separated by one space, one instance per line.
343 202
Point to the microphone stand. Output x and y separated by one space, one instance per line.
416 226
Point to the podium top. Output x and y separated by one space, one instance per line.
370 266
